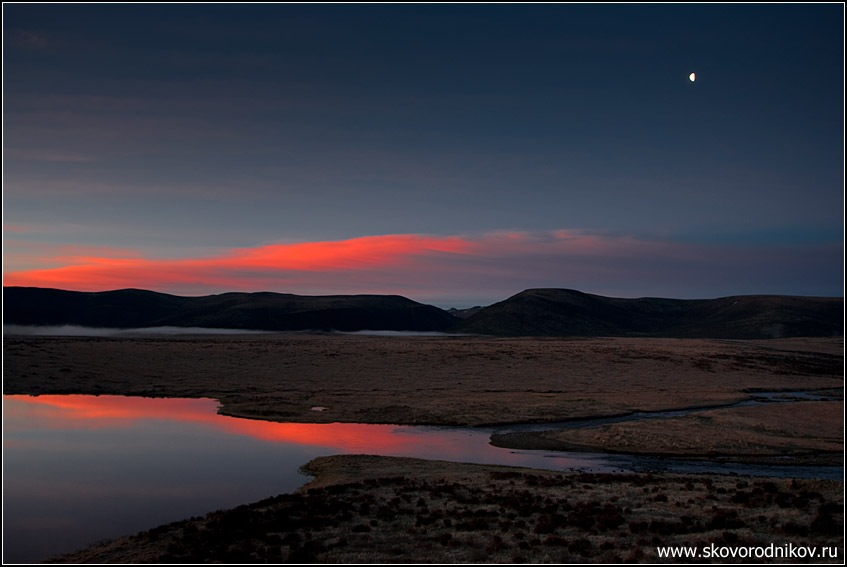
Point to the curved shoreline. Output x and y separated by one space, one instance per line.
788 433
532 442
365 509
460 381
455 381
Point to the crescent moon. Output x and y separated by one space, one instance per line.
691 77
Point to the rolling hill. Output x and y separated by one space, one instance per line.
135 308
534 312
563 312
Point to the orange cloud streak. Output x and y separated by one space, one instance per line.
406 264
238 268
372 251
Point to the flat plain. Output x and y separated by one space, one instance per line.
471 381
453 380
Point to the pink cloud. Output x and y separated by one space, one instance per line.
244 268
492 265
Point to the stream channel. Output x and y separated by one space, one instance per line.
78 469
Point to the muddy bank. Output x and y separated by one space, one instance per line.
362 509
809 433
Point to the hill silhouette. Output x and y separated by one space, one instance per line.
534 312
564 312
136 308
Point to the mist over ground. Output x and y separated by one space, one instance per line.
79 331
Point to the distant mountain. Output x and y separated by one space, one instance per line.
534 312
136 308
464 313
563 312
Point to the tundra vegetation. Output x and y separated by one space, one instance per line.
379 509
364 509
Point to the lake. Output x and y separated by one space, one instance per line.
79 469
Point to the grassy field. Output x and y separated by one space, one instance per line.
451 380
799 433
363 509
375 509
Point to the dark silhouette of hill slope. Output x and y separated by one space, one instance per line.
135 308
563 312
534 312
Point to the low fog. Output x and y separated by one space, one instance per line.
78 331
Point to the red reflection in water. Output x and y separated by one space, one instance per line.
122 407
347 436
97 412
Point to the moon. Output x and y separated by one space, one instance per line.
691 77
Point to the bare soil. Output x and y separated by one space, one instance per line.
363 509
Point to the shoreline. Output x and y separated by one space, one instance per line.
461 381
365 509
474 382
774 433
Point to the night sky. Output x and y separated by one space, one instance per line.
454 154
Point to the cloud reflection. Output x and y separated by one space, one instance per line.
99 412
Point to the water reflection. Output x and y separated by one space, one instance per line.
78 468
69 412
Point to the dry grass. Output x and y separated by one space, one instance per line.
386 510
805 432
364 509
451 380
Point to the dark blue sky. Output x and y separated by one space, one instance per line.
181 132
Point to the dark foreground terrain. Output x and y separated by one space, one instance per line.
423 380
385 510
389 510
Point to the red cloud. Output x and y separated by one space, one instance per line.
488 266
244 268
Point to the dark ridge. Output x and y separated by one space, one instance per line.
534 312
465 313
563 312
134 308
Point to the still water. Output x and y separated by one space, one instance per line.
78 469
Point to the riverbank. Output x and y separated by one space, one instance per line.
473 381
469 381
804 433
364 509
